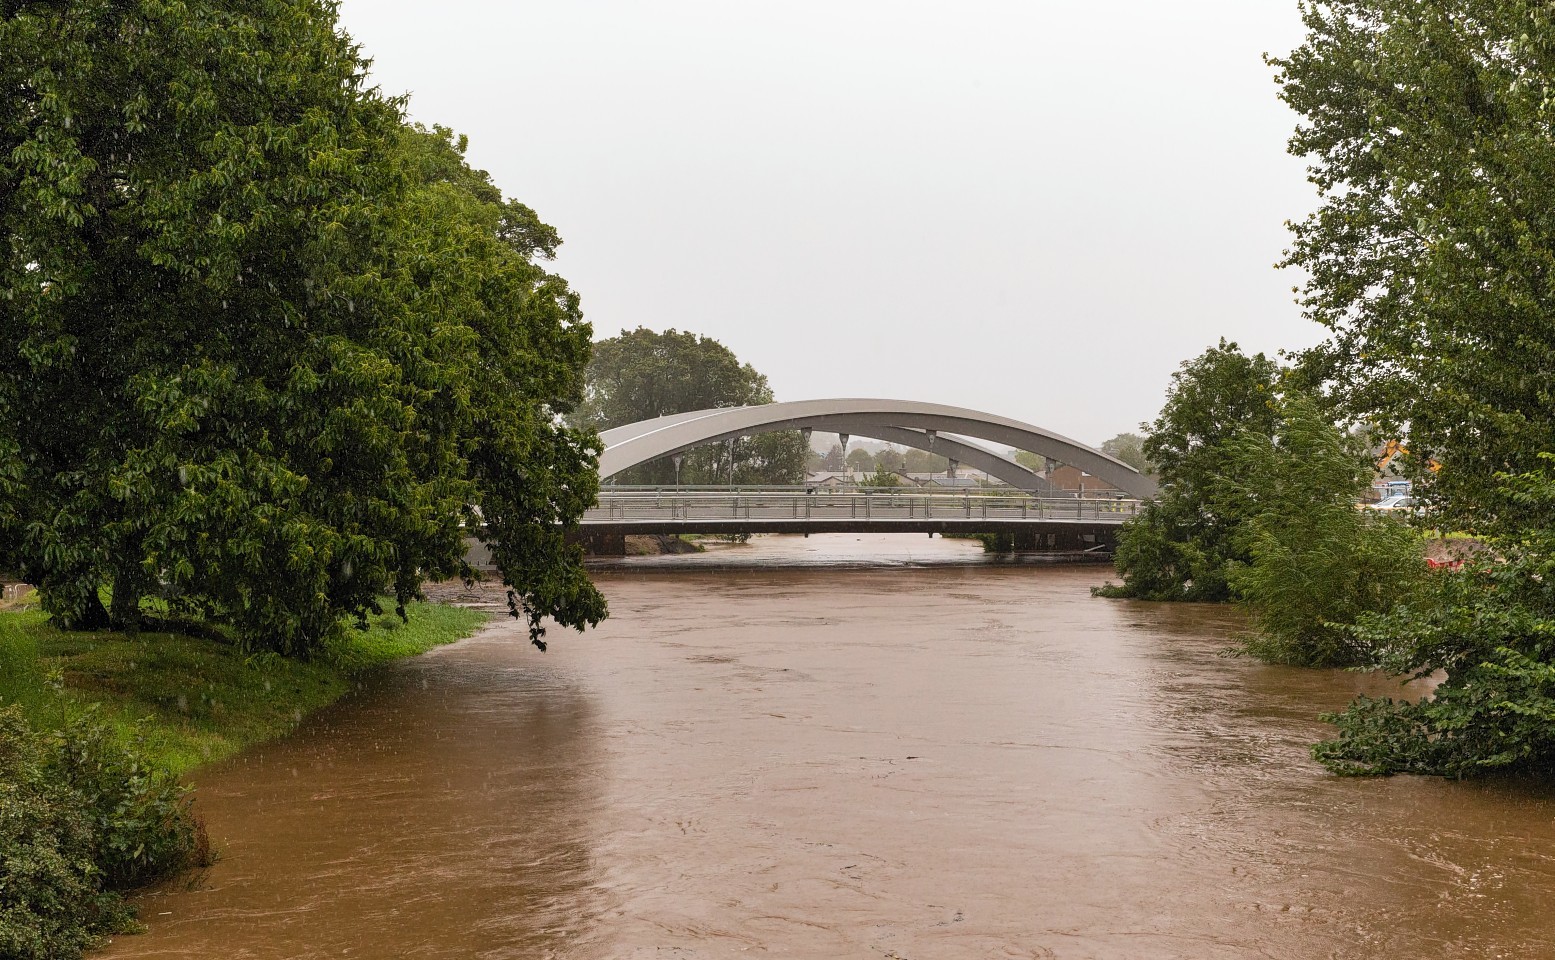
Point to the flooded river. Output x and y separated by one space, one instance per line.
870 747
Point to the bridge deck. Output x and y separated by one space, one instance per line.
800 511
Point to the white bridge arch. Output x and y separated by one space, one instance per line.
908 422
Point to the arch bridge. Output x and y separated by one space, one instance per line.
1031 507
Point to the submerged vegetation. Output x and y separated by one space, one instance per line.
1488 630
1315 563
1183 545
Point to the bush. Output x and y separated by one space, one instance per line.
1182 544
1160 558
80 817
144 828
1491 630
1317 563
52 902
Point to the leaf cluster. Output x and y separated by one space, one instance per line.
80 817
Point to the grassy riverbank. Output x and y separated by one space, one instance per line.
185 701
96 730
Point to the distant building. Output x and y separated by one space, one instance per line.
829 479
833 480
1074 479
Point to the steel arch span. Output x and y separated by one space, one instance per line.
899 421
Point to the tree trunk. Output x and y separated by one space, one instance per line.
124 608
93 616
123 612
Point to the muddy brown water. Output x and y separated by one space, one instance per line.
850 747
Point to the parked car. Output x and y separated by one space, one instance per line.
1402 501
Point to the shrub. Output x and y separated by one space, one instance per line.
1491 630
80 817
144 828
1317 564
52 901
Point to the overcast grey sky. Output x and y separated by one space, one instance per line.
1033 208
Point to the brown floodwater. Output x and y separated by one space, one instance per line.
850 747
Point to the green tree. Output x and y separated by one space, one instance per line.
861 461
1317 564
1487 629
1130 448
890 460
922 461
1426 129
268 350
1182 545
1034 462
643 374
882 477
834 461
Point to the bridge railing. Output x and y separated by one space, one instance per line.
877 504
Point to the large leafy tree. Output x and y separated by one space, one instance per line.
1182 545
270 352
1130 448
1432 262
643 374
1431 258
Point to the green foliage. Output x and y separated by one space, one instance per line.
140 815
1034 462
52 903
860 461
80 816
1491 630
1427 130
643 374
1182 545
1130 448
882 477
1160 559
273 350
890 460
922 461
1317 564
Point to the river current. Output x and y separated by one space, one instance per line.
840 747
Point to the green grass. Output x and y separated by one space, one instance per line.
188 701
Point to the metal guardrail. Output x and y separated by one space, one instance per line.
877 504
